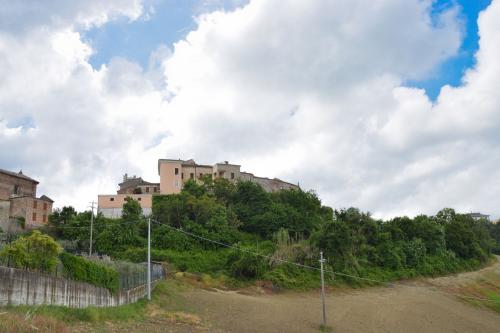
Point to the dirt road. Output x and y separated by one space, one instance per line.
407 307
421 306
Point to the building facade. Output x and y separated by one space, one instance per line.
111 205
479 216
173 175
136 185
18 202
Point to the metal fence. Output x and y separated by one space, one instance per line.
133 279
131 275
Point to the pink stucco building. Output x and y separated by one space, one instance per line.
173 175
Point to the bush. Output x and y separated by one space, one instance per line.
415 252
36 251
81 269
288 276
195 261
246 265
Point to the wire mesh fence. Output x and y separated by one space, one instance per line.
131 275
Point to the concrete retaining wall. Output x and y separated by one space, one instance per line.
19 287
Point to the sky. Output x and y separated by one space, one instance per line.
387 105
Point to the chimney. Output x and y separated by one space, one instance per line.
226 162
125 177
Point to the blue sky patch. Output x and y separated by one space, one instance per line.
169 22
451 71
172 20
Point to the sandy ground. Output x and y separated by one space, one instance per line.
414 306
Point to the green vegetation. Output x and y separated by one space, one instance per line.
285 226
34 251
50 318
81 269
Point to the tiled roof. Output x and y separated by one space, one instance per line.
18 175
133 182
46 198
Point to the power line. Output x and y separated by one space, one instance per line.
319 269
284 260
91 227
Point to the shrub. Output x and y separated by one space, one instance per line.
288 276
415 252
81 269
195 261
36 251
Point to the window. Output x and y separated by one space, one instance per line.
200 175
35 204
147 189
139 199
111 199
182 175
34 216
232 175
155 189
16 189
176 171
44 218
191 175
44 206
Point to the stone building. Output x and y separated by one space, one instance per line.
18 202
173 175
136 185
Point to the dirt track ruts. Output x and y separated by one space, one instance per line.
406 307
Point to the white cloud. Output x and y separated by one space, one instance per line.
308 91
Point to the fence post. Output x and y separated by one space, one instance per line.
149 259
323 288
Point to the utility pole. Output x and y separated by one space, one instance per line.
91 227
149 258
321 260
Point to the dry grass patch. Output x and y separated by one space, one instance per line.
16 323
486 287
183 318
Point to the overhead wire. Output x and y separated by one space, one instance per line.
318 269
380 282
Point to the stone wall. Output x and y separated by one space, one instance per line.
8 183
34 210
4 214
20 287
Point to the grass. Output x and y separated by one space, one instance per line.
486 287
17 323
166 303
132 311
323 328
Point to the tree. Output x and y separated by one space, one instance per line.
36 251
125 232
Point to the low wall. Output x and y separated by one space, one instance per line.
20 287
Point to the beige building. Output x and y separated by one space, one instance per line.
18 202
111 205
136 185
173 175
